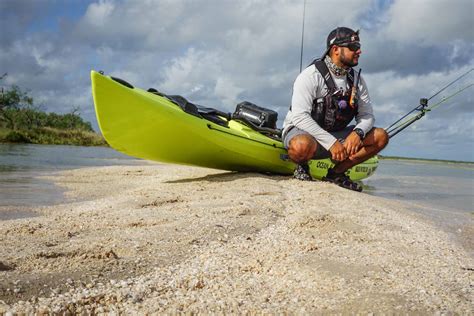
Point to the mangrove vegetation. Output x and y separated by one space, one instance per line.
21 121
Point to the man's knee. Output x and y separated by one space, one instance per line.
302 148
381 138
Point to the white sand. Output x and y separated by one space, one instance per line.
160 238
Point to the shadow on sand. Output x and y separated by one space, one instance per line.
231 176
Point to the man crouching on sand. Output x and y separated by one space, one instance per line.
322 106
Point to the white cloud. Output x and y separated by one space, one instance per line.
430 22
97 14
193 69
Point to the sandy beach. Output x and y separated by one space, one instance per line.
166 239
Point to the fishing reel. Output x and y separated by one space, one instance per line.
424 102
422 107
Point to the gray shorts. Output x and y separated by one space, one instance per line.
321 152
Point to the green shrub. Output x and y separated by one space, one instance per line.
17 137
53 136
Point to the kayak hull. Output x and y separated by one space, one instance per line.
148 126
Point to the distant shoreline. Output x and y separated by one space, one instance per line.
51 136
426 160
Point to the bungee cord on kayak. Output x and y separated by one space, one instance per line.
399 125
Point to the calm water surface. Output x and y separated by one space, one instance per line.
21 167
438 185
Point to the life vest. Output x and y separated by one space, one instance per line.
333 112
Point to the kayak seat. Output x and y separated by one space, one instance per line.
210 114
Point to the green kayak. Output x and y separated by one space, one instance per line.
153 126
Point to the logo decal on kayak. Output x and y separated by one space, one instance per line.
322 165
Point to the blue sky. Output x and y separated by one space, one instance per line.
219 53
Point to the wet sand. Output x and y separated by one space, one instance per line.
161 238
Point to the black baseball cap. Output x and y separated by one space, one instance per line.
341 35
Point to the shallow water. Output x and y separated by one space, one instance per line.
22 166
439 185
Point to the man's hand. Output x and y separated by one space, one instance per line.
352 143
338 152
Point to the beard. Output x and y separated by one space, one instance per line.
349 62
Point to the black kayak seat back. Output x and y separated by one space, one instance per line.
210 114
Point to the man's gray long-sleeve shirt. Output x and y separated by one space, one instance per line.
309 86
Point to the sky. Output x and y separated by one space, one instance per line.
218 53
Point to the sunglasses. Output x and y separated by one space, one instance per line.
353 46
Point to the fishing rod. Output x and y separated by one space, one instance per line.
302 36
423 108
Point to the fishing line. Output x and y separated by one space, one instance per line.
465 74
424 102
